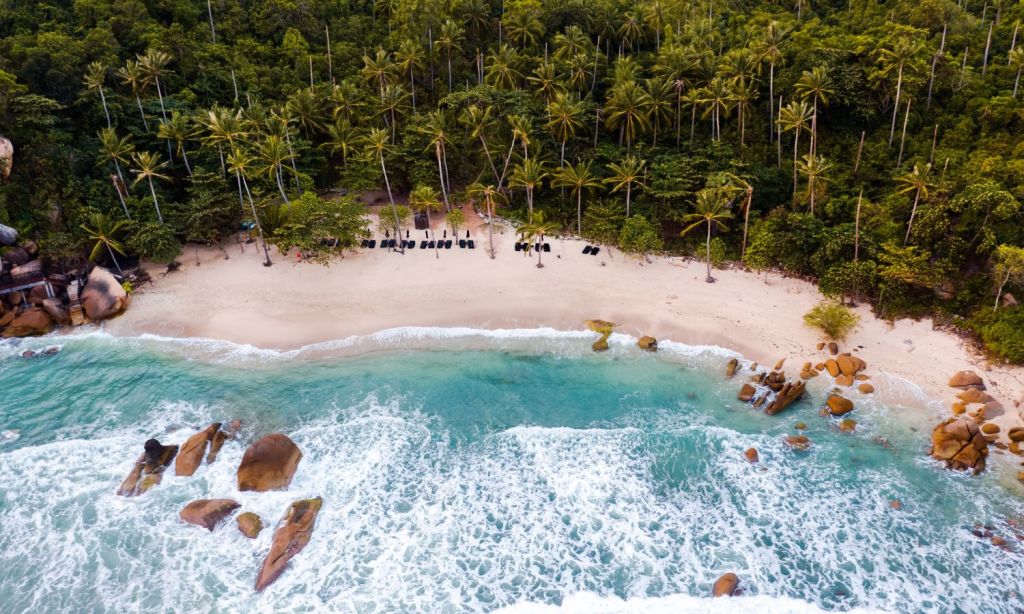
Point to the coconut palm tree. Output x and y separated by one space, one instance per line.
410 57
628 111
717 98
524 26
154 65
342 139
423 199
816 85
1017 61
179 130
565 119
103 232
535 231
662 96
117 150
502 70
378 69
739 185
771 51
795 117
240 164
915 181
95 76
148 166
625 174
578 177
450 41
377 145
436 131
491 196
712 209
346 100
815 169
307 107
529 175
273 153
899 59
392 103
132 75
479 121
280 124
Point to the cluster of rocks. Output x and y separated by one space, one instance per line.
769 390
269 463
960 444
604 328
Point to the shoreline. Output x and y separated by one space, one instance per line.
293 305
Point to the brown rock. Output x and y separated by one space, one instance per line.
1020 476
805 375
1014 448
779 364
601 345
847 425
726 586
648 343
821 345
147 470
798 442
269 464
55 307
819 367
215 445
290 538
844 380
833 348
787 395
865 388
800 426
839 406
103 297
8 317
192 451
998 541
989 428
751 455
249 524
31 322
1016 433
895 504
966 379
207 513
847 366
959 408
973 395
747 393
806 367
730 368
960 444
832 366
860 377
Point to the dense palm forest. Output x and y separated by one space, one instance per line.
874 147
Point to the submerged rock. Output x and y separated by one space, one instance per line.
747 393
798 442
103 297
290 538
839 406
726 586
751 455
249 524
207 513
148 469
192 451
731 367
269 464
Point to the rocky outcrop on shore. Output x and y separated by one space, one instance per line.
195 447
291 536
207 513
148 469
960 444
605 329
103 297
779 395
269 464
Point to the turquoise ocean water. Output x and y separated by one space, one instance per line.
476 473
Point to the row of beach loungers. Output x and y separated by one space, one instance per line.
523 247
591 249
407 244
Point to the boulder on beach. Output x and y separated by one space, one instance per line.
833 348
747 393
832 367
207 513
850 365
1016 433
647 343
601 345
966 379
844 380
839 406
193 450
290 538
726 586
148 469
31 322
269 464
55 307
103 297
249 524
990 428
865 388
6 160
973 395
960 444
751 455
731 367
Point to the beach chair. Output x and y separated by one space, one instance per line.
519 247
594 251
471 244
392 243
423 245
364 243
462 244
448 244
430 244
547 247
588 249
372 243
383 243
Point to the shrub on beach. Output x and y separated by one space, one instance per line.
1002 332
639 235
835 320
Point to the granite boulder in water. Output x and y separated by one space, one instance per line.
148 469
960 444
269 464
31 322
290 538
192 451
207 513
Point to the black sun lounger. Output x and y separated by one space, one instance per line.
471 244
519 247
448 244
547 247
383 243
372 243
594 251
364 243
462 244
588 249
430 244
423 245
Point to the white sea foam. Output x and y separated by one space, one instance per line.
590 603
8 436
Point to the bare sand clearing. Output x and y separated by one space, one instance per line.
293 304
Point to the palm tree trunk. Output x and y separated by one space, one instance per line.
437 255
184 156
796 145
209 11
291 152
280 184
746 222
709 278
256 220
771 100
114 258
999 292
529 201
540 265
156 203
913 212
160 95
412 84
106 111
579 211
490 226
440 174
896 106
490 160
629 186
138 101
1016 84
693 121
814 128
241 199
449 71
391 199
120 196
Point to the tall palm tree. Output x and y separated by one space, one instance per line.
450 41
529 175
816 169
148 166
625 174
717 97
392 104
280 124
117 150
524 26
179 130
737 185
502 70
346 100
743 95
662 96
132 75
240 164
578 177
103 232
816 85
915 181
771 51
342 139
436 131
95 76
423 199
491 195
154 65
377 146
480 121
628 111
545 81
273 154
410 57
565 119
1017 61
795 117
307 107
712 209
378 69
535 230
898 59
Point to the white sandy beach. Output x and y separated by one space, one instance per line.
293 304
